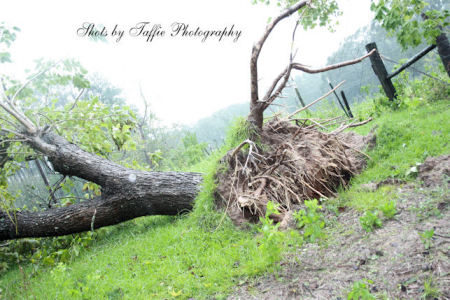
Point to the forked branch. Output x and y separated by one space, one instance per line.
271 96
258 46
257 106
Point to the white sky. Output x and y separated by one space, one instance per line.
183 78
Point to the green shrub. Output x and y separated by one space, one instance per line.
427 238
370 220
311 220
361 291
388 209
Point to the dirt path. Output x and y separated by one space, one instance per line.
393 257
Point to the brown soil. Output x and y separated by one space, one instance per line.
294 163
393 257
435 171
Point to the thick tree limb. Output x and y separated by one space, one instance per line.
126 193
151 194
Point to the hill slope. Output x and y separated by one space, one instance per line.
203 256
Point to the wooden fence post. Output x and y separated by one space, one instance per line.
339 100
299 97
443 46
346 104
380 70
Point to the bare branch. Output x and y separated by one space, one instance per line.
343 127
258 46
4 89
306 69
270 96
19 117
7 105
14 132
13 99
76 99
282 79
274 84
315 101
14 125
280 88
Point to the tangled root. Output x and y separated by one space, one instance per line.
296 162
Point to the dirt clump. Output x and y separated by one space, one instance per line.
291 163
435 171
373 186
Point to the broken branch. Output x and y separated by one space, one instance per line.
315 101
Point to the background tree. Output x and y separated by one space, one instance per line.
415 21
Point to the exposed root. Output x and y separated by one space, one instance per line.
296 162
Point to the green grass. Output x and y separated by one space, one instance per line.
202 254
404 138
199 255
159 257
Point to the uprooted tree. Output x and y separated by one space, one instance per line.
283 162
125 193
282 174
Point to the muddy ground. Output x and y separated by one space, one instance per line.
393 257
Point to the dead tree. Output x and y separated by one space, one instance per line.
257 105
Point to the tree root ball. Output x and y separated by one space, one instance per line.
290 164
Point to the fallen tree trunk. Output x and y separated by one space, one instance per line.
126 193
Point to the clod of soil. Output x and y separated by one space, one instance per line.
435 171
291 164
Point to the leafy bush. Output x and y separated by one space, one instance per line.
311 220
45 252
427 238
414 92
271 243
361 290
370 220
388 209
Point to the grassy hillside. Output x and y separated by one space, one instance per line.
202 255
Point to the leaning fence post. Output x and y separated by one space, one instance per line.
299 97
337 97
346 104
380 70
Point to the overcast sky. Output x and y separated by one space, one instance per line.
184 78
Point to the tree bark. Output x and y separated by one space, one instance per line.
257 108
126 193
